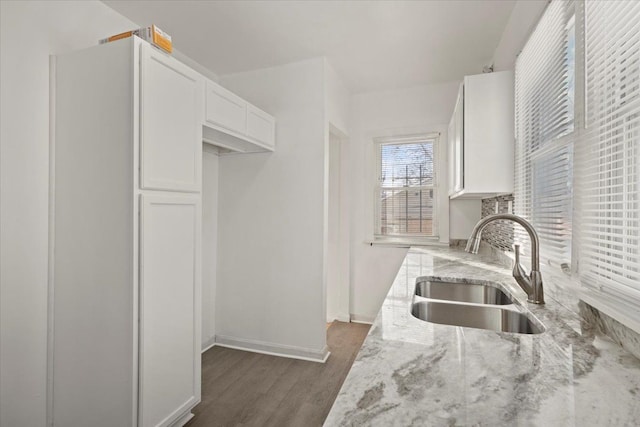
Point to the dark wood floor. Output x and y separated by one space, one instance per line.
240 388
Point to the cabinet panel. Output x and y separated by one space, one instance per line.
169 307
226 109
451 154
91 215
171 116
260 126
458 142
484 138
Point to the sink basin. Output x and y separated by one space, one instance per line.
475 316
462 292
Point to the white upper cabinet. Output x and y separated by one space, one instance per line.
482 163
170 123
225 109
260 126
234 125
456 140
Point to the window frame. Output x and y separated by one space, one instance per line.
415 238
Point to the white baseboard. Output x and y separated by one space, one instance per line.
208 344
291 352
361 318
182 420
339 317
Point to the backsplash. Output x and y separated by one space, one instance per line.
498 234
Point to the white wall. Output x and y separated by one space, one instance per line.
524 16
210 168
29 33
463 216
271 219
338 100
407 111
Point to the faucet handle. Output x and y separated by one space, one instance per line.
517 267
520 274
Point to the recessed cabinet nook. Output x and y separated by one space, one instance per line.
481 137
128 123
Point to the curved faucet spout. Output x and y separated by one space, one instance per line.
531 284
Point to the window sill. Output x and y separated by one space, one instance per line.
405 242
628 316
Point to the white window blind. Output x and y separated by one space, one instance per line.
608 155
406 186
544 91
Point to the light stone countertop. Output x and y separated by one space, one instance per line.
414 373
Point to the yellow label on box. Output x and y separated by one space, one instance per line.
161 39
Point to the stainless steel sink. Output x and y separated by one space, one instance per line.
461 292
475 316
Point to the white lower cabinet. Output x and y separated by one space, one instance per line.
124 343
169 307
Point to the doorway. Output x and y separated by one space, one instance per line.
337 251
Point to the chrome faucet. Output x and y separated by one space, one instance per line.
532 283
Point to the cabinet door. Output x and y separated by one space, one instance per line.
225 109
171 111
458 177
169 342
451 153
260 126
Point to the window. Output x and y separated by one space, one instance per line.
406 186
578 147
545 89
608 156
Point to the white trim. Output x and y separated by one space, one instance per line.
210 343
136 204
271 349
183 420
362 318
400 242
411 138
339 317
339 295
51 243
611 308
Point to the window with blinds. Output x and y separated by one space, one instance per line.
608 154
406 186
578 151
545 93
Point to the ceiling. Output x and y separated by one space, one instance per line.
372 45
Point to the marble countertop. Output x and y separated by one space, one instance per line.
414 373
